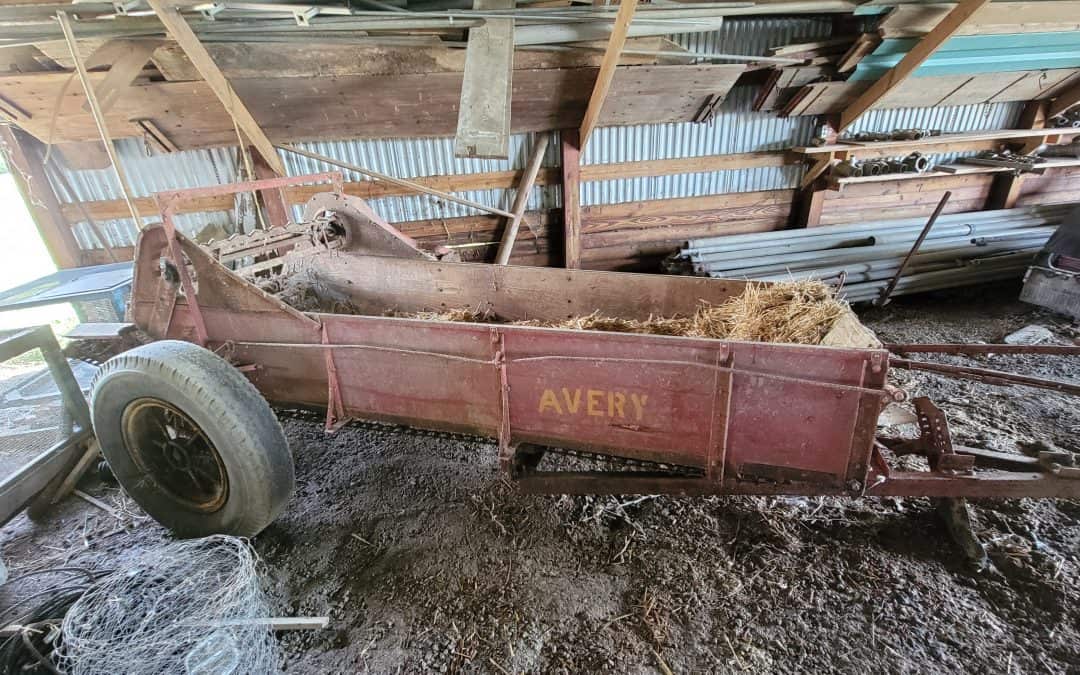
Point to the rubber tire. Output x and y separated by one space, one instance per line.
226 406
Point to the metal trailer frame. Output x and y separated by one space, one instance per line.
37 476
704 416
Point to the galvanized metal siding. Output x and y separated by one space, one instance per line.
753 36
412 158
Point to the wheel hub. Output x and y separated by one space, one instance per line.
175 454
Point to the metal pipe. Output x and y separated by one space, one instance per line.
975 349
784 236
841 241
1055 211
887 291
986 375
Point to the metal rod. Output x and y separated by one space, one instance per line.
914 249
1063 350
396 181
986 375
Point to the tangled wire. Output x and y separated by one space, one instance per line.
191 607
32 623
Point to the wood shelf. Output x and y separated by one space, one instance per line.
850 148
946 170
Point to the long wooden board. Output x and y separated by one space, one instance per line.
831 97
322 108
999 17
483 128
245 60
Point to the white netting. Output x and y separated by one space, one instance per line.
191 607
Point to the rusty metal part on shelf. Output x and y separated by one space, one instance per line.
677 415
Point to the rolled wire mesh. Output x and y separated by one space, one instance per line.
193 607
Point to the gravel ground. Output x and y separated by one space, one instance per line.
426 560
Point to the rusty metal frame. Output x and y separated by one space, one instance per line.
725 417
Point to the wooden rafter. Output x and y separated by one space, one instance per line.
99 117
615 44
181 32
912 60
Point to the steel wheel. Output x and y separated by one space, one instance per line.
175 454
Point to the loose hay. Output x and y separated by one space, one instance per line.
794 312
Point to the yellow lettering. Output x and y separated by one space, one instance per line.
594 396
639 401
572 404
549 400
615 403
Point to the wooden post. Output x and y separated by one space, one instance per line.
273 201
571 195
521 199
29 173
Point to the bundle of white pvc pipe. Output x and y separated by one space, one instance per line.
961 249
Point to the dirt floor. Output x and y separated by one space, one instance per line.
426 560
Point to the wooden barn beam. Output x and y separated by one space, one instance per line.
274 203
571 197
615 44
44 206
180 31
483 128
911 61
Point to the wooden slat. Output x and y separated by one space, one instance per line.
181 32
912 20
37 192
664 167
831 97
918 54
606 74
302 109
483 128
112 209
247 60
571 198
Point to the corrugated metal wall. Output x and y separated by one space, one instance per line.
736 128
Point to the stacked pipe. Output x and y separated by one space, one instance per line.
961 249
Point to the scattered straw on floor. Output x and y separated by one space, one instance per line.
794 312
